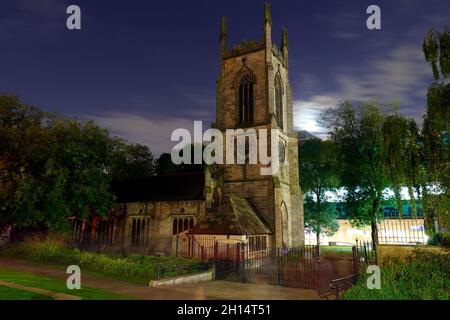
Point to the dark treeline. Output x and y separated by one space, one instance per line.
52 168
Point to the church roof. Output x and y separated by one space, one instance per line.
238 216
178 187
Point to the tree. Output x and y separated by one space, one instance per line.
24 151
357 134
401 143
165 166
394 132
132 161
82 157
436 130
436 48
319 175
413 166
51 168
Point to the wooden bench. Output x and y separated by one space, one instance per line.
340 284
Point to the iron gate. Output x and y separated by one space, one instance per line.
293 267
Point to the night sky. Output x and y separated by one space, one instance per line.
143 68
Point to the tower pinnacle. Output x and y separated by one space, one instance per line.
223 29
284 38
267 14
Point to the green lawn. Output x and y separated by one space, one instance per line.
94 273
336 249
7 293
57 285
134 268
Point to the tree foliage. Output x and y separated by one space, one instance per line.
165 166
132 161
319 175
53 168
436 48
401 143
436 130
358 136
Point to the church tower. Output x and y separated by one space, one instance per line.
253 92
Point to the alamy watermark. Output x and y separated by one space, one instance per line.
373 22
232 146
74 280
73 21
374 280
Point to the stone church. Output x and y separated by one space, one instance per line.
226 202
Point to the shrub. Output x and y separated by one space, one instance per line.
55 250
422 275
446 239
440 239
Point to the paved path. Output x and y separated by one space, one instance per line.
215 290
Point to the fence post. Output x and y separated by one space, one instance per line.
355 260
216 251
278 256
243 263
317 251
193 247
366 255
238 252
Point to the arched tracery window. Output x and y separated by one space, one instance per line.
279 100
140 232
182 224
245 97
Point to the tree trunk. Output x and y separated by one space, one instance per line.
373 224
93 226
412 201
428 213
318 243
374 234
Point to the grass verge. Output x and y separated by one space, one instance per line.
336 249
133 267
7 293
56 285
420 276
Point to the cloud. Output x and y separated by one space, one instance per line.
155 133
202 102
31 18
154 129
307 114
400 75
308 82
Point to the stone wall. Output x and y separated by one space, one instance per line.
277 197
159 217
398 251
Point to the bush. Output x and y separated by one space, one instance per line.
420 276
440 239
53 249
